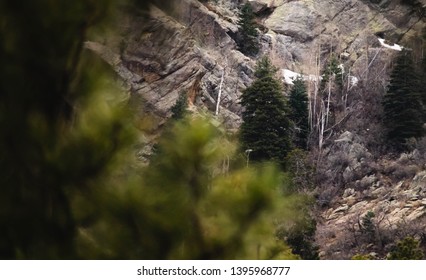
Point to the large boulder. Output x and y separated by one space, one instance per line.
258 6
296 19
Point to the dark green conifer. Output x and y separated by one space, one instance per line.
179 109
299 114
402 103
368 227
407 249
332 73
422 71
301 239
247 39
266 127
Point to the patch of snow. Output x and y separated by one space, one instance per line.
290 76
342 68
353 80
395 47
345 55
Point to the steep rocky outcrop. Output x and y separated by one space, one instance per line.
394 190
161 57
304 30
189 49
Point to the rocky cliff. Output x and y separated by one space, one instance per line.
191 47
187 51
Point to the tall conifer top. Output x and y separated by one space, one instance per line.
402 103
299 114
266 128
247 37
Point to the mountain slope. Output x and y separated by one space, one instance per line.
192 48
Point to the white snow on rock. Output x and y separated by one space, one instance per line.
290 76
395 47
353 80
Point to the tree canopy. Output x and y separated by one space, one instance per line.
265 130
299 114
403 112
406 249
179 108
333 74
247 39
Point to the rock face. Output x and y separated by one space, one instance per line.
296 20
188 52
190 48
306 29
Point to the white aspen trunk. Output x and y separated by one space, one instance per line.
309 91
327 112
317 62
366 71
321 126
367 74
220 93
314 96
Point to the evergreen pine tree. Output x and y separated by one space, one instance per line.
300 235
301 239
368 227
403 112
332 73
179 108
422 70
266 128
247 38
406 249
299 115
